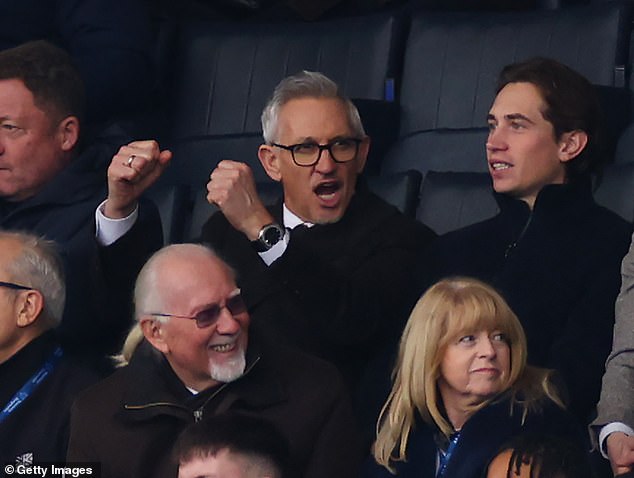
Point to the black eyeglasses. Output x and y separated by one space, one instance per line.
308 154
205 318
11 285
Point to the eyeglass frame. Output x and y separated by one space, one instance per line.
14 286
237 293
328 146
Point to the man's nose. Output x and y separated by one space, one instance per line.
496 140
227 323
326 163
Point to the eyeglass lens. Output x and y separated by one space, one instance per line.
207 317
309 153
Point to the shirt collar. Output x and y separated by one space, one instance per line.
291 220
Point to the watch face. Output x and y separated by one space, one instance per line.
272 235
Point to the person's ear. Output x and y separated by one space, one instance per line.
29 304
270 161
68 130
571 144
153 333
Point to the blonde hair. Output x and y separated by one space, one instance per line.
450 308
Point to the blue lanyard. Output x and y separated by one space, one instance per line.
31 384
444 459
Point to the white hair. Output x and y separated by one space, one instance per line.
39 266
306 84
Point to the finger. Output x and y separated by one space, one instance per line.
228 164
165 156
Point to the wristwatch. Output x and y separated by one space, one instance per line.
268 236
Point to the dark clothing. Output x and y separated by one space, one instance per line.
480 440
99 280
129 422
558 268
106 38
341 290
40 425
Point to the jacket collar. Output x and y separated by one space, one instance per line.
554 202
154 389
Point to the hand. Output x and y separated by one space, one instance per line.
621 452
132 170
232 188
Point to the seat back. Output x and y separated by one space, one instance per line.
224 74
450 201
616 190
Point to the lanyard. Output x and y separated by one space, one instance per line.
31 384
444 458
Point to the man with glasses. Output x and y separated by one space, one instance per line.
192 355
335 263
39 378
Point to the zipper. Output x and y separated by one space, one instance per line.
511 247
198 413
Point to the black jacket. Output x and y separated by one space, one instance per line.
480 440
129 422
558 266
99 280
341 290
40 425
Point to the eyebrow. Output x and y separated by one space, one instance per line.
310 139
511 117
518 116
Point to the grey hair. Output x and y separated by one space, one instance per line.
147 293
39 265
306 84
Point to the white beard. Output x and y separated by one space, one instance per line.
230 370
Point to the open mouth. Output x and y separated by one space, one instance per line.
328 192
500 165
223 348
327 189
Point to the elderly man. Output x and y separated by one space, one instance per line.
234 446
39 379
51 186
552 251
192 355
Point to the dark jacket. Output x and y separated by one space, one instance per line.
559 269
99 280
480 440
129 422
341 290
40 425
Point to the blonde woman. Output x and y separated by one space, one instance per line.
461 387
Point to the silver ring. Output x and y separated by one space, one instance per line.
130 160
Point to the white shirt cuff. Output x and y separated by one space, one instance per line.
607 430
275 252
110 230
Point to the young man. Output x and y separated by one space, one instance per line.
552 251
231 446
